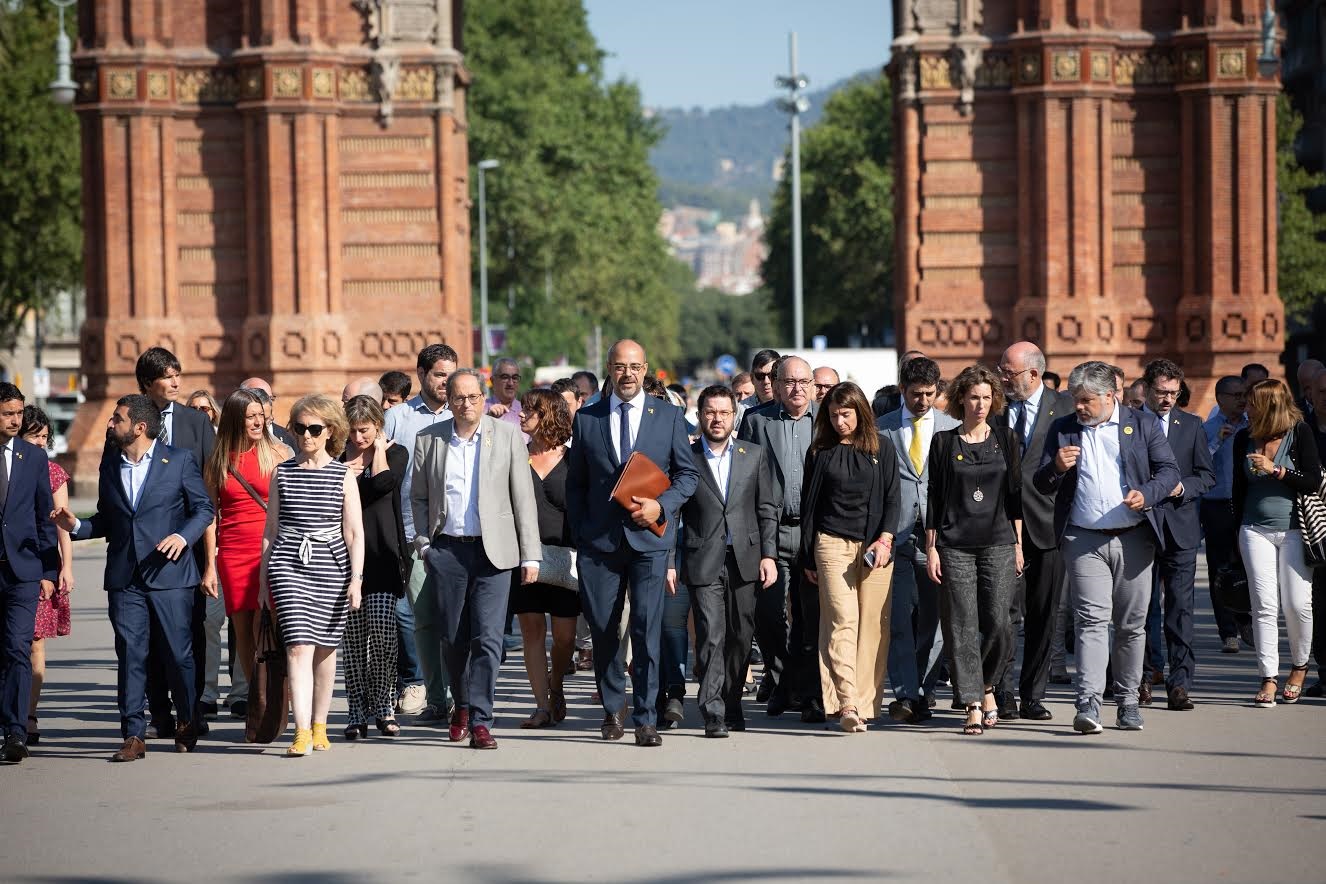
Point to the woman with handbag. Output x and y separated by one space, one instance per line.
1276 461
369 645
238 476
546 419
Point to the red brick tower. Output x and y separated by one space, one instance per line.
270 187
1097 176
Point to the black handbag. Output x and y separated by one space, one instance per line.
1229 586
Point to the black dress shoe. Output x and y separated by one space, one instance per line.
186 738
647 735
923 712
240 708
715 728
1034 710
1144 692
612 726
765 690
1315 689
207 709
1178 699
14 751
1008 708
777 703
812 711
674 711
161 730
735 724
903 710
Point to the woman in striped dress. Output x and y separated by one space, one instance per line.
313 561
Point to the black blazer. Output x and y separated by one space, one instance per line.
1304 478
1037 506
940 466
750 515
29 540
1178 515
882 513
386 555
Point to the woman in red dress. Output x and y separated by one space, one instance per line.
244 448
52 613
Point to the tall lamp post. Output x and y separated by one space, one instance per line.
63 86
484 166
795 105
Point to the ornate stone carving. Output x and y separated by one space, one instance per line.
287 83
399 21
1232 64
206 87
293 345
906 67
1100 66
417 84
1104 329
87 85
1069 329
966 61
1194 64
1029 68
1234 325
158 85
121 85
386 77
324 83
390 24
331 344
1144 68
127 348
1066 67
250 84
995 72
936 72
354 85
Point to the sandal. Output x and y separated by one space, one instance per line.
356 732
1265 699
989 717
1292 691
850 720
558 706
540 718
974 728
387 727
34 735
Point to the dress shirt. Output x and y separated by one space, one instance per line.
512 415
1163 418
926 427
132 477
463 485
1101 485
402 425
1032 406
1222 454
797 433
720 464
634 415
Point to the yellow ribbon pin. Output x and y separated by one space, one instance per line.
741 451
1127 431
959 457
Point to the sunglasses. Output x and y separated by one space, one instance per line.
314 430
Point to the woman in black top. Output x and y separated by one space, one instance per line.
546 418
849 505
370 642
974 540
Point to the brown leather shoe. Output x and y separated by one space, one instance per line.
647 735
132 750
1144 692
612 726
460 725
584 660
186 738
1179 700
482 738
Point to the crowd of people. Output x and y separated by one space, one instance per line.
852 548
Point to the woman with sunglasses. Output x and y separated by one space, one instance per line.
313 561
201 400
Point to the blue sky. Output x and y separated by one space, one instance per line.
688 53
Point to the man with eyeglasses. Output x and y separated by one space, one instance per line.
618 552
826 379
785 430
1216 509
1175 571
1031 409
762 369
504 404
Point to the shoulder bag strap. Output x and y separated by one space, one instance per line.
257 498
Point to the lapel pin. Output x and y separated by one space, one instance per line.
741 451
650 410
18 454
1051 412
959 457
1127 431
165 460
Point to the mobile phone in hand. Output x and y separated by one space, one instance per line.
870 559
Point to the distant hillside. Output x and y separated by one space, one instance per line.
724 158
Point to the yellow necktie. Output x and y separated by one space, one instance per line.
914 450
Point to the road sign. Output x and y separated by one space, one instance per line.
726 365
41 383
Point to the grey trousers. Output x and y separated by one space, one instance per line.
1109 580
976 595
916 646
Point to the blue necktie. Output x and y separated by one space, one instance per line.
1021 426
625 434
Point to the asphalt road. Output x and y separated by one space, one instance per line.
1225 793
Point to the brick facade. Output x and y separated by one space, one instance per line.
271 187
1097 177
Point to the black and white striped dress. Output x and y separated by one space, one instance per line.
309 566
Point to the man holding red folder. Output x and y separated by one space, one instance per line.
619 551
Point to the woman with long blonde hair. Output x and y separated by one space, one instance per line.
1275 460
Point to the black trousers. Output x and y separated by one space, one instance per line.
1175 573
1034 603
1217 518
724 623
159 668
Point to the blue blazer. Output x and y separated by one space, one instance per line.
1148 465
598 523
29 538
173 501
1178 515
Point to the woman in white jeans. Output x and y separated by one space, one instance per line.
1275 460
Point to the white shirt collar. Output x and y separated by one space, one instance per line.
908 416
1112 419
617 401
474 437
147 455
710 454
1034 400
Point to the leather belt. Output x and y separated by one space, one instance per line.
453 538
791 521
1112 532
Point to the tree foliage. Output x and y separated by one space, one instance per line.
1302 257
41 241
573 206
714 322
847 221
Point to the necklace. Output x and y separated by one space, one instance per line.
978 495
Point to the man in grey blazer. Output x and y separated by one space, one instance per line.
475 521
729 546
915 649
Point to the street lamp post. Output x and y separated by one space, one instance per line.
484 166
795 105
63 86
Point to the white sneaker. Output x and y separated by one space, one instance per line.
413 699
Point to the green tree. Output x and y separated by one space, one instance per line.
714 322
41 240
1302 257
574 201
846 220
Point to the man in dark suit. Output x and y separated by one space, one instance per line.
29 565
151 508
1032 408
158 376
1176 563
729 545
783 427
1107 467
616 549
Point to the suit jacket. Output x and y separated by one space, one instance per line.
1148 466
508 515
596 521
914 496
749 515
1178 515
173 501
29 539
758 427
1038 507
